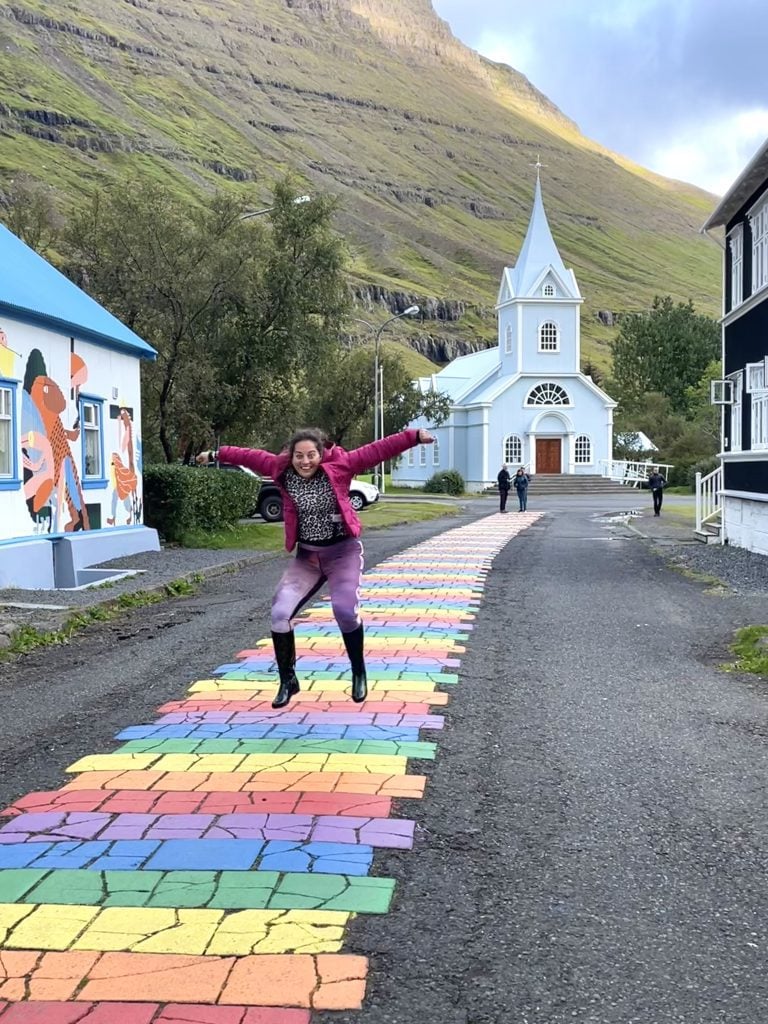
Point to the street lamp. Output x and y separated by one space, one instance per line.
268 209
378 386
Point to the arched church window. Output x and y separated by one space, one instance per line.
513 450
583 449
549 337
548 394
548 291
508 338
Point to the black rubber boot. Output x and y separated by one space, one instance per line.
354 644
285 655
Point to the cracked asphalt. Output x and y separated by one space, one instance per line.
593 843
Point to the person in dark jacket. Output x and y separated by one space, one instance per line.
504 480
313 477
521 481
657 483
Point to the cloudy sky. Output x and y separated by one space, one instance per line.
680 86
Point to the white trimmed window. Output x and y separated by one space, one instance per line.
548 291
411 460
436 453
736 406
6 432
422 455
755 377
760 421
548 394
582 450
508 338
736 245
549 337
513 450
758 219
92 440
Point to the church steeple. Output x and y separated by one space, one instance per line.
539 251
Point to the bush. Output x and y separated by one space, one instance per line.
181 498
448 481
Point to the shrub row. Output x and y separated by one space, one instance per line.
447 481
181 498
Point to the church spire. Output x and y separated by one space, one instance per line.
539 250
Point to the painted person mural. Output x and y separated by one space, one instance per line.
123 468
51 481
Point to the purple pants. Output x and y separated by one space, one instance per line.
340 564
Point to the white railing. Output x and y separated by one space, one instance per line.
626 471
709 503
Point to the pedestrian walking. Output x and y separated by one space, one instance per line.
314 477
521 481
657 483
504 481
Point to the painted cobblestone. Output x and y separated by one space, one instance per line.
205 872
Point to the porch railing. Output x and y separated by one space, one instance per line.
709 502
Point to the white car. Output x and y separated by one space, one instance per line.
361 494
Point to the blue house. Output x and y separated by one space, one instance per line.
70 428
524 402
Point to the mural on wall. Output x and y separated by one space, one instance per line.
124 469
51 482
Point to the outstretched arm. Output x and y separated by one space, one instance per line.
387 448
261 462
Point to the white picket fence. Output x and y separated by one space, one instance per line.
709 502
633 473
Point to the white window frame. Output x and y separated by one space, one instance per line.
92 429
422 455
758 220
583 442
508 339
721 392
755 377
548 291
546 384
7 396
553 336
436 453
759 422
512 453
736 245
737 379
411 459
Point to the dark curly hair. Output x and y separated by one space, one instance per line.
313 434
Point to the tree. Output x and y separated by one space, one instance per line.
665 350
342 401
240 311
28 209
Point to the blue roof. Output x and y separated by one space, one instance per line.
33 291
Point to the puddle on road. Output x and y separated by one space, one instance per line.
609 518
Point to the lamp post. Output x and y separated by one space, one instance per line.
378 385
268 209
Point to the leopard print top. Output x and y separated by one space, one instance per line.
318 511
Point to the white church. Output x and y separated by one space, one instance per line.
525 402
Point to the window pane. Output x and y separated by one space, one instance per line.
5 402
6 462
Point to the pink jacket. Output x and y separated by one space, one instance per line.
340 467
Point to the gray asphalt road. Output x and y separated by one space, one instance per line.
593 843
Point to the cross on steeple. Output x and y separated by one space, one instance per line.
538 165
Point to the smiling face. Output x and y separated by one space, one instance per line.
306 458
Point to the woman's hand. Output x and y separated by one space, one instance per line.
425 437
203 458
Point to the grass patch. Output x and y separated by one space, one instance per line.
28 639
751 650
683 514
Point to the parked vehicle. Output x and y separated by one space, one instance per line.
270 501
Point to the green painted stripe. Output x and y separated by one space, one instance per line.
298 745
221 890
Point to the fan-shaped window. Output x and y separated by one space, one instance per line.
508 338
548 291
548 394
549 337
583 449
513 450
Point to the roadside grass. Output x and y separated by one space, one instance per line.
751 650
260 536
27 639
684 514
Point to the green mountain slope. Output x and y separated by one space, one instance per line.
428 145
